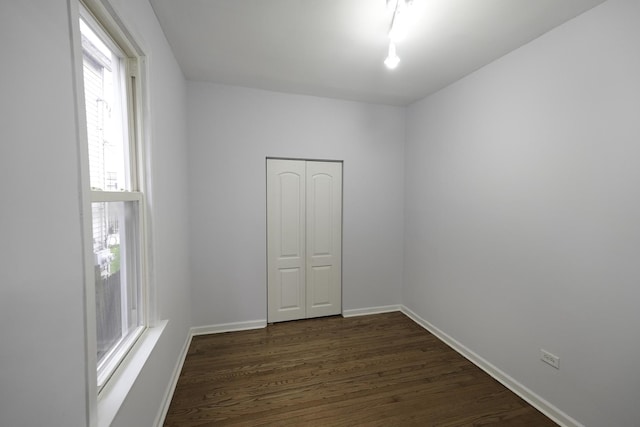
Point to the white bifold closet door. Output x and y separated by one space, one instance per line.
304 239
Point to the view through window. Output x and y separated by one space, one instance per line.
109 88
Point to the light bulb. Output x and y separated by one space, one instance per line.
392 59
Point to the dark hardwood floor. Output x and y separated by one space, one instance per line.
379 370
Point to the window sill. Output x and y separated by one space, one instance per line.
117 388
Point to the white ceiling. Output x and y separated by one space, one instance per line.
335 48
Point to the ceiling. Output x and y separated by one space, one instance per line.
336 48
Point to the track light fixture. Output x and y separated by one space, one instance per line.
398 28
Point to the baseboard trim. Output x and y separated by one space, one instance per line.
168 395
532 398
371 310
228 327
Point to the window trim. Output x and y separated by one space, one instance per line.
116 356
116 196
102 404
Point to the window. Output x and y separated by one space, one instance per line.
111 93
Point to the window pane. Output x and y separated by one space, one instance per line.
116 265
104 92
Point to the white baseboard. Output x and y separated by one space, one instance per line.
229 327
371 310
532 398
168 395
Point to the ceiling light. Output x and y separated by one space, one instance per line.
392 60
398 28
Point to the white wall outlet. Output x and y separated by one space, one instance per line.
550 359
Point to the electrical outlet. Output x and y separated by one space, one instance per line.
550 359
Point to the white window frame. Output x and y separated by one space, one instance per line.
106 394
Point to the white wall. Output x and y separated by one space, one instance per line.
41 275
522 213
42 372
231 132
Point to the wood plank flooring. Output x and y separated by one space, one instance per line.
379 370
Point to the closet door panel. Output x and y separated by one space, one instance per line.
286 217
324 238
